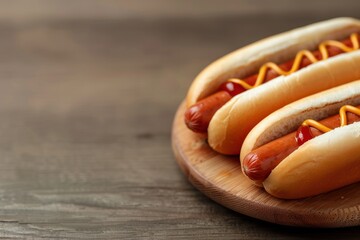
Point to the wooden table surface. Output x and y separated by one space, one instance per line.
88 93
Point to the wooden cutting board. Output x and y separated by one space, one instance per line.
220 178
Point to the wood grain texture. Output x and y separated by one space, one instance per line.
220 178
88 95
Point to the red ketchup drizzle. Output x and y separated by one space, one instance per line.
232 88
303 135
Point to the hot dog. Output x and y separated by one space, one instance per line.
198 115
295 151
259 163
230 118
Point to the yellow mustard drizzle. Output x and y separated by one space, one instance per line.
297 61
343 118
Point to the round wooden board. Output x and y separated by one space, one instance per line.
220 178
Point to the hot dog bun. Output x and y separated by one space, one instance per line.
231 123
234 120
320 165
277 48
